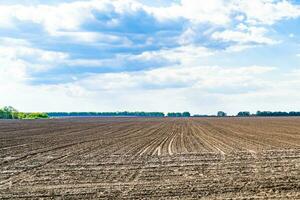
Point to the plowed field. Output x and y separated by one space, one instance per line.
150 158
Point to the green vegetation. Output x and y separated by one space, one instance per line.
106 114
35 115
257 114
178 114
199 115
221 114
269 114
278 113
9 112
186 114
243 114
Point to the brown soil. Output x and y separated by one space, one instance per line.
150 158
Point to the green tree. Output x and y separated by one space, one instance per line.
9 112
37 116
186 114
21 115
2 114
243 114
221 114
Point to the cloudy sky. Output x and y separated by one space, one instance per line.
152 55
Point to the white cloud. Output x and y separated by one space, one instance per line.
187 37
12 71
36 59
220 11
238 47
267 11
202 90
183 81
92 37
18 58
203 78
64 16
251 35
29 98
69 16
198 89
7 41
187 54
53 18
66 19
213 11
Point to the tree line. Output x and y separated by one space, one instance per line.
263 114
248 114
116 114
9 112
106 114
178 114
278 113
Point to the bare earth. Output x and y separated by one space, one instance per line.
150 158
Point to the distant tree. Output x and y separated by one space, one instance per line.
186 114
106 114
9 112
9 109
174 114
21 115
221 114
199 115
243 114
276 114
37 116
294 113
2 114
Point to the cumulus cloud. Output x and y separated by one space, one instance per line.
70 16
136 52
184 55
214 11
18 59
220 11
131 27
206 78
203 89
92 37
66 16
109 14
255 35
267 11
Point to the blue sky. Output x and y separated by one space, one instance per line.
184 55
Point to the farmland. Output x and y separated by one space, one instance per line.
186 158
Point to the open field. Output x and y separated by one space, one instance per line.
192 158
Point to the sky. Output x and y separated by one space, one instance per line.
150 55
